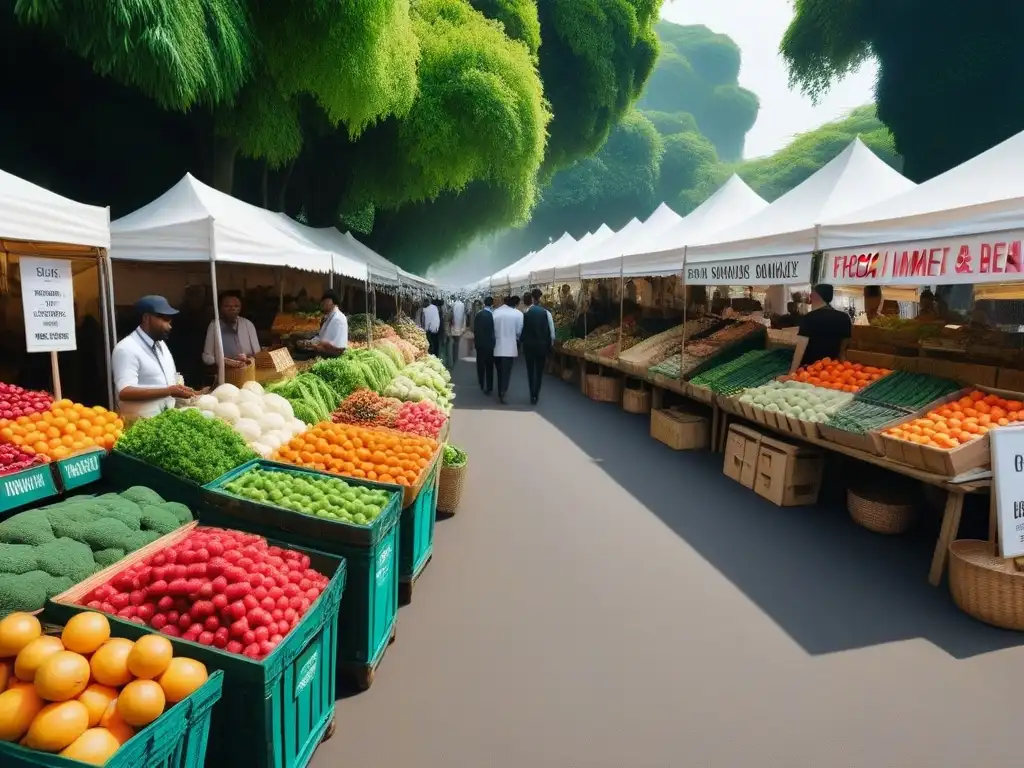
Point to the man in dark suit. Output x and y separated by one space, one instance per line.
483 341
538 336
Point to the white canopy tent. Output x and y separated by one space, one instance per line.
571 257
963 226
539 266
39 218
774 247
663 255
629 240
192 222
518 272
572 266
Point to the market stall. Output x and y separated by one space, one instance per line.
194 223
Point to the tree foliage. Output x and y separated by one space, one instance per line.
945 84
697 74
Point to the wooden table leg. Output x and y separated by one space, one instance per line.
657 398
714 427
723 431
950 528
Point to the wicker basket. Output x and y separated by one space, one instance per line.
880 511
449 488
568 372
604 389
239 376
983 587
636 400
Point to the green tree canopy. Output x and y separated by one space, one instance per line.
939 58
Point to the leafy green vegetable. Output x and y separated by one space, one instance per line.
357 369
312 399
454 457
186 444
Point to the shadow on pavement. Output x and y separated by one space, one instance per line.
831 585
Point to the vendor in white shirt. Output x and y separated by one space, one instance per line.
238 334
332 340
145 377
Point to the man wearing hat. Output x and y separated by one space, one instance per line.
145 378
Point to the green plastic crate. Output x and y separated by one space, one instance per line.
417 530
124 471
83 469
28 486
274 712
370 603
176 739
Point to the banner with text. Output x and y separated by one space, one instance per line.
994 258
48 301
765 270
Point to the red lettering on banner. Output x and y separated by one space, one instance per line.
1013 257
993 258
963 260
854 265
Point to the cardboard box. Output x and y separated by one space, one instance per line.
680 430
788 475
742 447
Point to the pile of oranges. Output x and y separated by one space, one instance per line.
839 375
959 422
368 453
65 429
84 694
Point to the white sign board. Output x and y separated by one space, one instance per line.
1008 486
48 298
764 270
993 258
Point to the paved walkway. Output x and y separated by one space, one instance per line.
604 602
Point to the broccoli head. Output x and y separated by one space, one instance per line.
32 527
112 505
141 538
23 592
58 584
181 513
142 496
17 558
156 518
107 557
67 520
107 533
68 558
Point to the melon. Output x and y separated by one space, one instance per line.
32 656
150 656
110 663
94 747
57 725
62 676
18 708
16 631
141 702
114 723
182 678
85 632
97 698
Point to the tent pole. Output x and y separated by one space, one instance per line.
280 293
369 320
622 297
104 311
682 276
218 341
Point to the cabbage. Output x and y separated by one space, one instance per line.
245 396
248 429
250 410
253 386
206 403
273 403
226 393
209 414
274 439
262 450
227 411
271 421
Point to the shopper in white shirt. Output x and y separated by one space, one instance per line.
458 327
508 328
238 335
432 325
332 340
145 378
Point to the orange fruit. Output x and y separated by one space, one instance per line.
57 725
181 678
110 663
18 708
85 632
150 656
97 698
114 723
62 676
94 747
32 656
141 702
16 631
6 672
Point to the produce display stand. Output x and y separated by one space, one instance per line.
274 712
176 739
28 486
124 470
369 605
416 541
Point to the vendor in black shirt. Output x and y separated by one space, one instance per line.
822 331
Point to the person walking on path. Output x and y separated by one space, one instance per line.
458 328
432 325
483 341
508 328
443 325
538 337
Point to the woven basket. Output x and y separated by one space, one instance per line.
880 511
982 586
239 376
636 400
603 389
568 372
449 488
